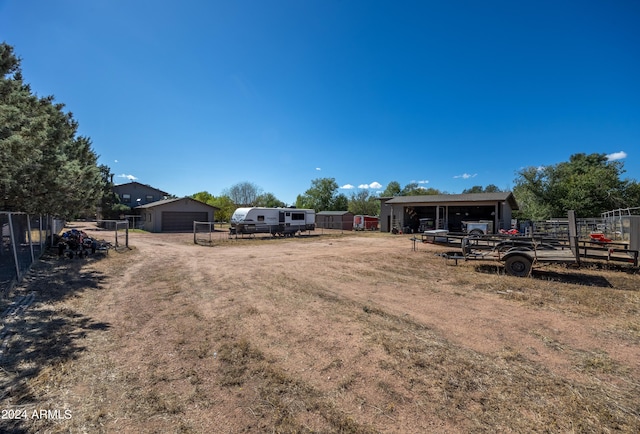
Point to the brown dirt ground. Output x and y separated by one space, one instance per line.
334 332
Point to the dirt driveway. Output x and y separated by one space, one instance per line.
337 332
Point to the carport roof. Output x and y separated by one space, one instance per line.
166 201
448 199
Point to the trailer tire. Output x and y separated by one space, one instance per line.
476 232
518 265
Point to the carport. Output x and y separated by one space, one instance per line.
446 211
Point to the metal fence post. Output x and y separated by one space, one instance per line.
13 245
33 259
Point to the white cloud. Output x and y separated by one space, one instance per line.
466 176
423 182
317 168
617 156
115 161
129 177
348 186
374 184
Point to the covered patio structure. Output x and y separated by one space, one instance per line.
446 211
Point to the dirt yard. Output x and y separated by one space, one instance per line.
329 333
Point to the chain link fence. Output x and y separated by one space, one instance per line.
24 239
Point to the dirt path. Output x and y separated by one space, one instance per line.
337 333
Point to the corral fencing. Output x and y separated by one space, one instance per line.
120 229
614 224
202 232
333 224
24 239
135 221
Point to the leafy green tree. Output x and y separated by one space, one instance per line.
323 196
118 210
363 202
45 168
301 201
631 196
531 206
269 200
414 189
588 184
393 189
431 190
203 196
225 206
109 198
479 189
340 203
411 189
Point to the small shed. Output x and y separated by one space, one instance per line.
174 215
335 220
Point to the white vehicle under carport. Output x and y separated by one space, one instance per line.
274 221
482 227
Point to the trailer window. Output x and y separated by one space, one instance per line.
297 216
260 218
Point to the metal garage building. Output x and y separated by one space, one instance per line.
446 211
174 215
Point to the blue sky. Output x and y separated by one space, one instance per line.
194 95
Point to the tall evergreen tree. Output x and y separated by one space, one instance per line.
45 168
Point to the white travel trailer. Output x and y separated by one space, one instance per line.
274 221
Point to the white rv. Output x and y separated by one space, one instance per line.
274 221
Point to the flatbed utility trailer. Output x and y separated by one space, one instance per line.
519 253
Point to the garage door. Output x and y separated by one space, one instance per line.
181 221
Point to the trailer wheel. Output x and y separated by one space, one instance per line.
518 266
476 232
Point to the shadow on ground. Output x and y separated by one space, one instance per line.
572 277
39 334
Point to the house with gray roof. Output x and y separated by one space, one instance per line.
134 194
447 211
